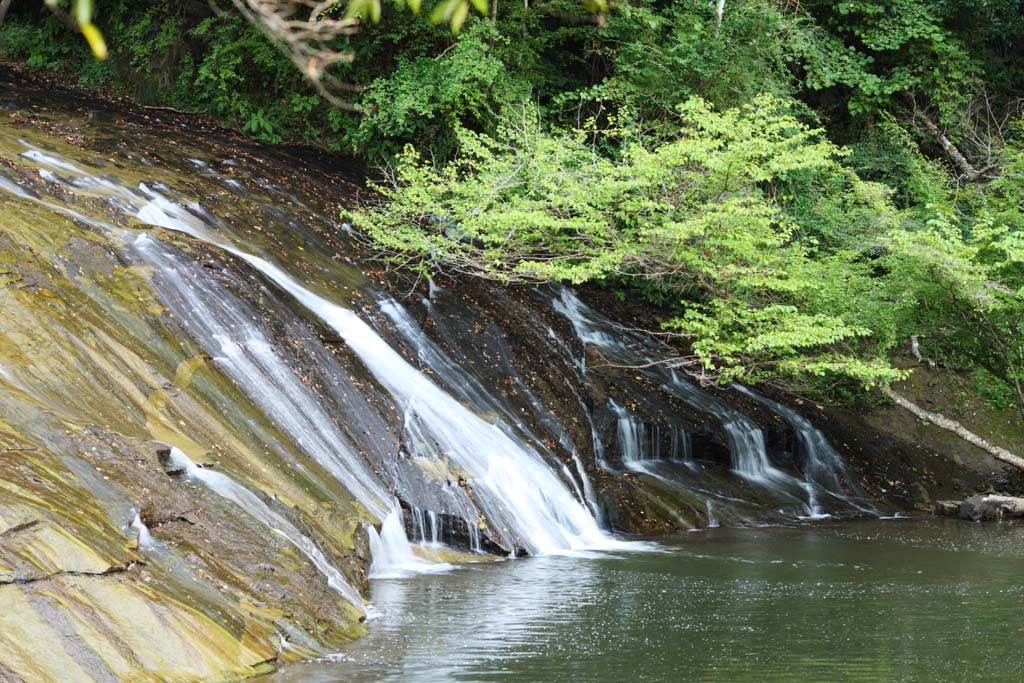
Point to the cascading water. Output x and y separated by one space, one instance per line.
476 395
746 440
521 498
639 441
250 503
713 522
244 351
520 491
246 354
392 555
823 468
145 539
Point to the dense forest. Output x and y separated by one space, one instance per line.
809 192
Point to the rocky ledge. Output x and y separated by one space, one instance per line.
989 506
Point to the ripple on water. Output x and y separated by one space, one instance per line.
858 602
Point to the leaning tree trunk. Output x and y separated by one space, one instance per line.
719 13
997 452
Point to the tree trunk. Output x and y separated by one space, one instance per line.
719 11
997 452
4 4
959 160
915 348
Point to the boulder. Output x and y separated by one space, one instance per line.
947 508
982 507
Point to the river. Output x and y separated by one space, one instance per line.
887 600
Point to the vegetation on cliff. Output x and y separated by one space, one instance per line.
805 188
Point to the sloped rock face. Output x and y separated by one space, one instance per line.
95 379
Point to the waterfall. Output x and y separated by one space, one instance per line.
746 440
824 468
519 494
507 489
251 504
243 349
145 539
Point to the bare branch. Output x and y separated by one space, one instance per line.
307 33
915 349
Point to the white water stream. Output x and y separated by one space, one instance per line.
521 492
226 487
523 499
145 539
746 440
824 468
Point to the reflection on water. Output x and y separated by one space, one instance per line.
893 601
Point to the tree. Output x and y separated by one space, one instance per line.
765 288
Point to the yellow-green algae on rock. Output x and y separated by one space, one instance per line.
94 380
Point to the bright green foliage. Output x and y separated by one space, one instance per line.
700 216
425 100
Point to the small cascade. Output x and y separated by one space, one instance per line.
419 526
251 504
567 475
435 528
474 539
713 522
392 555
824 468
631 435
746 440
602 462
639 441
144 538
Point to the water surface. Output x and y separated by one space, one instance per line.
900 600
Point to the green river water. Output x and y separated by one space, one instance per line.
887 600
